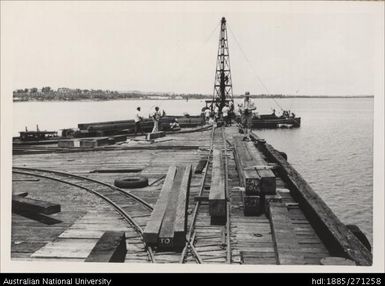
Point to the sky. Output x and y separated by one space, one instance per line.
300 48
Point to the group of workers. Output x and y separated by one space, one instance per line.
212 114
156 115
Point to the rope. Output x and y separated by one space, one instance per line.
253 71
194 56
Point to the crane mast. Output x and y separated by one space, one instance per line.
223 88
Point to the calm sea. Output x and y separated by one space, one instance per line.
333 148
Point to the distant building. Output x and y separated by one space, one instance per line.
64 90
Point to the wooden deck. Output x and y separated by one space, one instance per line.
85 217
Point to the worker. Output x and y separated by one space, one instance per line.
225 114
174 125
231 111
207 113
138 121
247 115
156 115
216 112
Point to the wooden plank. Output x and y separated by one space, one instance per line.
217 195
111 247
339 240
166 233
20 204
286 242
151 232
181 209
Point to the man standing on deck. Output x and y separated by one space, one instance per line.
138 121
247 115
225 114
156 117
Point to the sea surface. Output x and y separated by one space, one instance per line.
333 148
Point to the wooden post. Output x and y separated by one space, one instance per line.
151 232
217 196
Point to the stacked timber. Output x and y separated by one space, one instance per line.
168 223
217 195
255 174
127 126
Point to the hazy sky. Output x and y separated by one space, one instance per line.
303 48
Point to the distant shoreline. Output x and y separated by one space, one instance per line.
190 98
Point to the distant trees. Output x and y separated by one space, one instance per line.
46 89
33 90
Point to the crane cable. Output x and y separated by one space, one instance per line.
252 69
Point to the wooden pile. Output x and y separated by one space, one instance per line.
168 223
255 174
217 195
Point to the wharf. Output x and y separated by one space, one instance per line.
85 215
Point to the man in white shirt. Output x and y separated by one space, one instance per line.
225 114
138 121
247 115
156 117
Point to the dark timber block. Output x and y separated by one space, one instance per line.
201 199
201 165
268 181
38 217
252 182
218 220
66 143
252 206
151 136
111 247
31 205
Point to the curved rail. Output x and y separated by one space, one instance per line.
123 213
147 205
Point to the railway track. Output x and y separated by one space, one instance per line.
126 204
206 243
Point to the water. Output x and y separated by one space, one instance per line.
333 148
